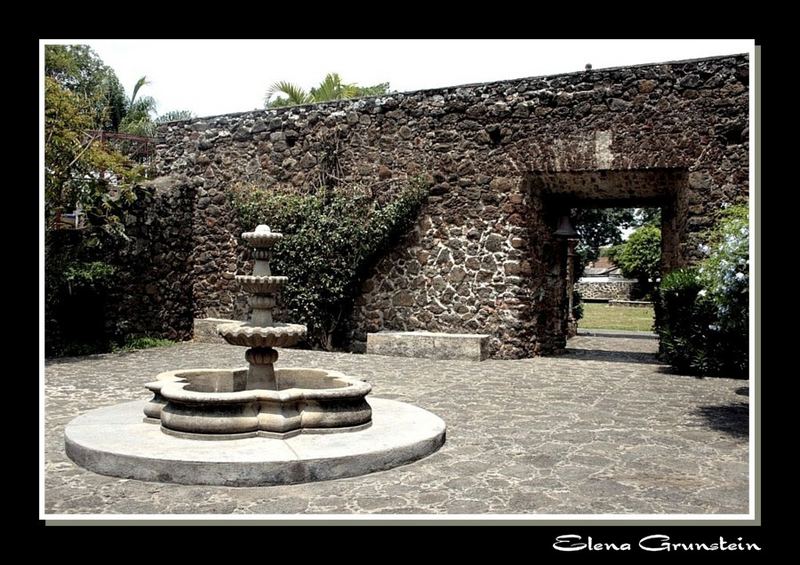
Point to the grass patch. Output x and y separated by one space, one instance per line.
143 343
598 316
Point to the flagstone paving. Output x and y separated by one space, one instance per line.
602 429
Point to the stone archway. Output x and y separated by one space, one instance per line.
552 194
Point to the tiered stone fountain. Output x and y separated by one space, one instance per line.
260 400
280 425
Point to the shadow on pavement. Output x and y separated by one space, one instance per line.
611 356
729 418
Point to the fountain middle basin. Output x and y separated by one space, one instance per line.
214 404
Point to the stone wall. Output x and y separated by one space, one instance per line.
505 159
152 294
612 290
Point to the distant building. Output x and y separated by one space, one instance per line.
603 280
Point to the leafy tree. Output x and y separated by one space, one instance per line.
640 257
331 88
647 217
174 115
598 227
374 90
76 67
79 70
601 227
81 97
80 171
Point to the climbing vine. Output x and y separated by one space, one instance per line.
332 239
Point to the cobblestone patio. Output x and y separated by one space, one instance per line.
601 429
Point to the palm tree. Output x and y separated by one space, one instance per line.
331 88
295 95
137 120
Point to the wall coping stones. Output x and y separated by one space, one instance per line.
595 280
429 345
631 303
349 103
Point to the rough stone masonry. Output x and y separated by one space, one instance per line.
504 158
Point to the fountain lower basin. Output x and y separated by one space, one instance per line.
214 404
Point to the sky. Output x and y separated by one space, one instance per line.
211 77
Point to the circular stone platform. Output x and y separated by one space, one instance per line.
115 441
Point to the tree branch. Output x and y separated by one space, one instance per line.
78 157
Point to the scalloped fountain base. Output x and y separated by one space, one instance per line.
115 441
214 403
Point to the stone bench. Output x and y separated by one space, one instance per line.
205 329
465 347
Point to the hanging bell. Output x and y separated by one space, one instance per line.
565 228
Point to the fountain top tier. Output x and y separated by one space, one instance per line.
262 237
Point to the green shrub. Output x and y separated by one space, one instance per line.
77 284
725 273
685 323
145 342
332 239
577 305
92 274
702 317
